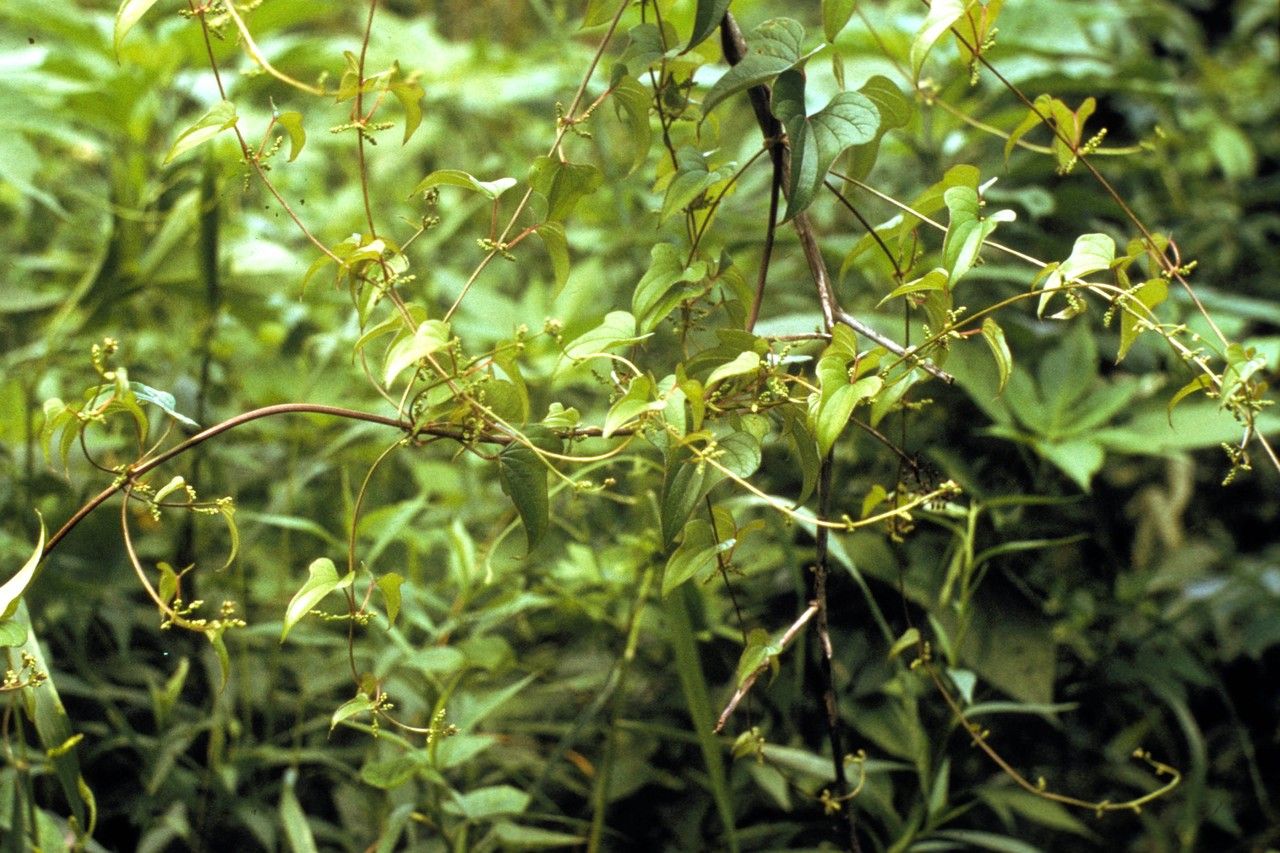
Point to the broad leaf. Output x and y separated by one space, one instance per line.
942 14
458 178
12 590
772 48
360 704
291 121
816 141
835 14
658 292
746 363
1135 317
523 475
994 336
966 231
618 329
323 579
705 20
632 102
563 184
553 238
129 13
695 556
430 337
1091 253
835 409
221 117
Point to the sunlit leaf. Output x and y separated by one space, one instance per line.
994 336
457 178
942 14
430 337
835 14
221 117
389 585
359 704
323 579
966 231
291 121
129 13
12 589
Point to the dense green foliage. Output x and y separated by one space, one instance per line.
540 492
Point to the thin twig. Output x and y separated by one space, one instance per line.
750 681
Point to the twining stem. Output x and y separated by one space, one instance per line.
830 700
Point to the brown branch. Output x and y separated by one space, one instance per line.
751 679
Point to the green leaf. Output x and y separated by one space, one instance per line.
696 554
631 102
53 727
706 19
934 279
618 329
835 15
942 14
488 803
746 363
966 231
221 117
428 338
553 238
1202 382
994 336
389 585
322 581
816 141
1135 318
657 294
1042 107
563 184
409 93
458 178
291 121
1091 253
523 475
12 590
1079 459
163 399
909 639
835 409
773 47
297 832
514 836
693 178
359 704
684 484
693 683
129 13
895 112
761 649
739 453
12 633
637 401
